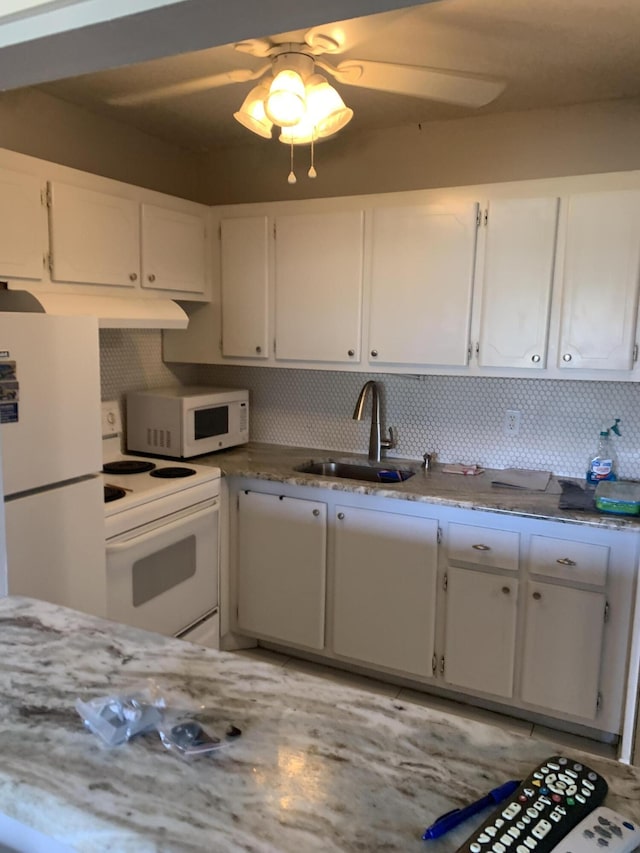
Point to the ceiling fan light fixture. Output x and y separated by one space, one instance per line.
302 133
285 104
329 111
252 114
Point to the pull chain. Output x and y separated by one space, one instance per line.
312 169
292 175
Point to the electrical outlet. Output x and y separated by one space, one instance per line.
512 422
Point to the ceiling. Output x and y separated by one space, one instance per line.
548 53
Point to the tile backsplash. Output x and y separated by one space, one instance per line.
460 418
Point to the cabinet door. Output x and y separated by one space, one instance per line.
384 589
516 282
281 568
600 281
244 273
480 632
563 648
21 239
422 262
95 237
318 280
173 249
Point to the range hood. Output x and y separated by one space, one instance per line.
113 312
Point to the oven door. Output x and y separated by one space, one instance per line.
163 576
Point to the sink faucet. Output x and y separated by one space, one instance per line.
376 444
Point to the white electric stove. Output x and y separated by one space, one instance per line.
161 531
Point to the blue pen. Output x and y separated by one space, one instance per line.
451 819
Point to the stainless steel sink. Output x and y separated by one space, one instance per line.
353 471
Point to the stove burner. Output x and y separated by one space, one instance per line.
113 493
128 466
170 473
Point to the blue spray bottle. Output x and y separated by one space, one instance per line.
604 464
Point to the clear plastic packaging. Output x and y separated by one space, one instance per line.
117 718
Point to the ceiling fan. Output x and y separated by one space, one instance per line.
293 95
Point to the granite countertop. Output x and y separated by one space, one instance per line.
319 766
277 463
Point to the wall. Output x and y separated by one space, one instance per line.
458 417
583 139
37 124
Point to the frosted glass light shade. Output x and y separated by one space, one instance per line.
285 104
324 104
301 133
252 115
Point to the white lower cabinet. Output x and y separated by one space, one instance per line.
480 632
384 588
563 648
530 615
281 568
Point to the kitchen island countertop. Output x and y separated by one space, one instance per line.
278 463
319 767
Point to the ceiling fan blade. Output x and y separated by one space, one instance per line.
464 89
188 87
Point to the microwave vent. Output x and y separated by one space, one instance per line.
244 415
159 438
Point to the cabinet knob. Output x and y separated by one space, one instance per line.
340 515
351 352
316 512
506 590
151 277
258 349
535 358
133 276
537 596
374 353
566 356
565 561
480 547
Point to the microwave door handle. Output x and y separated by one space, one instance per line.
114 547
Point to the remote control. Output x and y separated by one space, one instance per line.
602 830
546 806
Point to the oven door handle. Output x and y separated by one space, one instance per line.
114 547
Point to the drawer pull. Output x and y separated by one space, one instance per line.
537 596
565 561
481 547
506 590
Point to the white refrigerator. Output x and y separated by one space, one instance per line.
50 425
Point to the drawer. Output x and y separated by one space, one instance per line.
569 560
484 546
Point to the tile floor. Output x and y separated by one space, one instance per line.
385 689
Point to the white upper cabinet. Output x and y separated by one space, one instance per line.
103 239
244 279
422 262
173 249
21 239
517 277
318 286
94 237
600 281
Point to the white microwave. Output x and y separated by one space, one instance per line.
183 421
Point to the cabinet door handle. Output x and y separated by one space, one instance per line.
535 358
565 561
374 353
340 515
537 596
258 350
566 356
133 276
316 512
351 352
151 277
506 590
480 547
